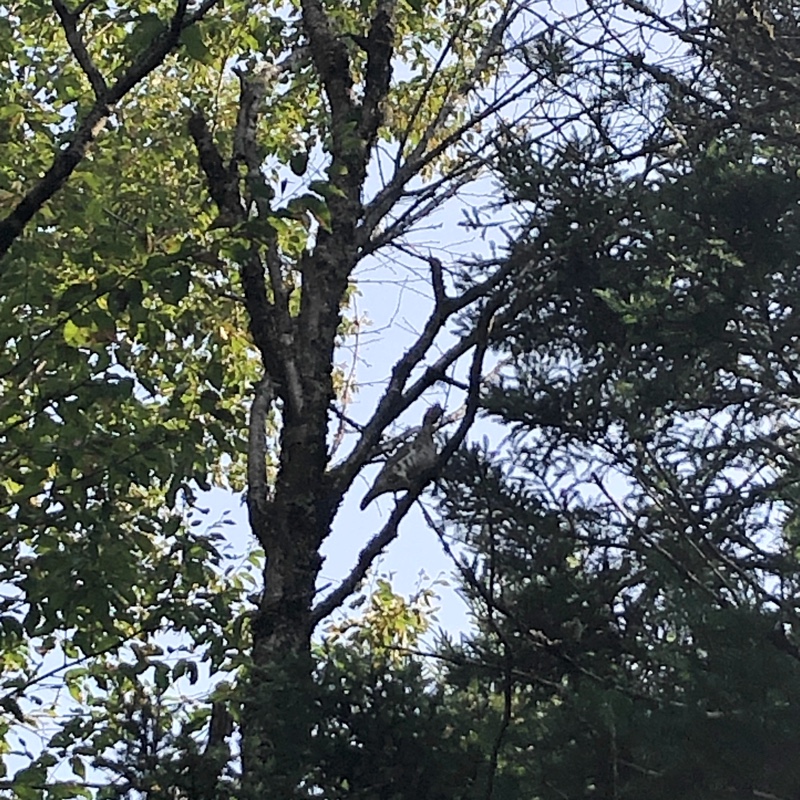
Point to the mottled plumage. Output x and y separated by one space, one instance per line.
409 462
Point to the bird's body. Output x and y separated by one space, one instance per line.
409 462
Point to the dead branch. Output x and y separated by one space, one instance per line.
387 198
397 398
437 281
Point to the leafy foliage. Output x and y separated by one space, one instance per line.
186 196
128 353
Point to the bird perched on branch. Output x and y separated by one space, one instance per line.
409 462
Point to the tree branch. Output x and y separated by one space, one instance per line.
222 181
257 488
437 281
332 62
380 48
396 398
270 322
68 22
67 160
387 198
389 532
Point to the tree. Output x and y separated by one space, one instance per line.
635 559
194 265
155 285
389 727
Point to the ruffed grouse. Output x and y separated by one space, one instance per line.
409 462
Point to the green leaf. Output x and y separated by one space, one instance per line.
147 27
76 336
313 205
75 691
74 296
78 766
326 189
162 676
192 41
185 667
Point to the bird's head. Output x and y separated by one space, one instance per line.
432 415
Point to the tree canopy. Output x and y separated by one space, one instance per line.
189 191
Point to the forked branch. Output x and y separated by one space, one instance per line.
388 533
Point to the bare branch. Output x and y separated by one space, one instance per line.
426 201
396 398
437 281
217 751
392 404
264 329
253 90
389 532
491 48
387 198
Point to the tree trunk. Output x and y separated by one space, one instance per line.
292 525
